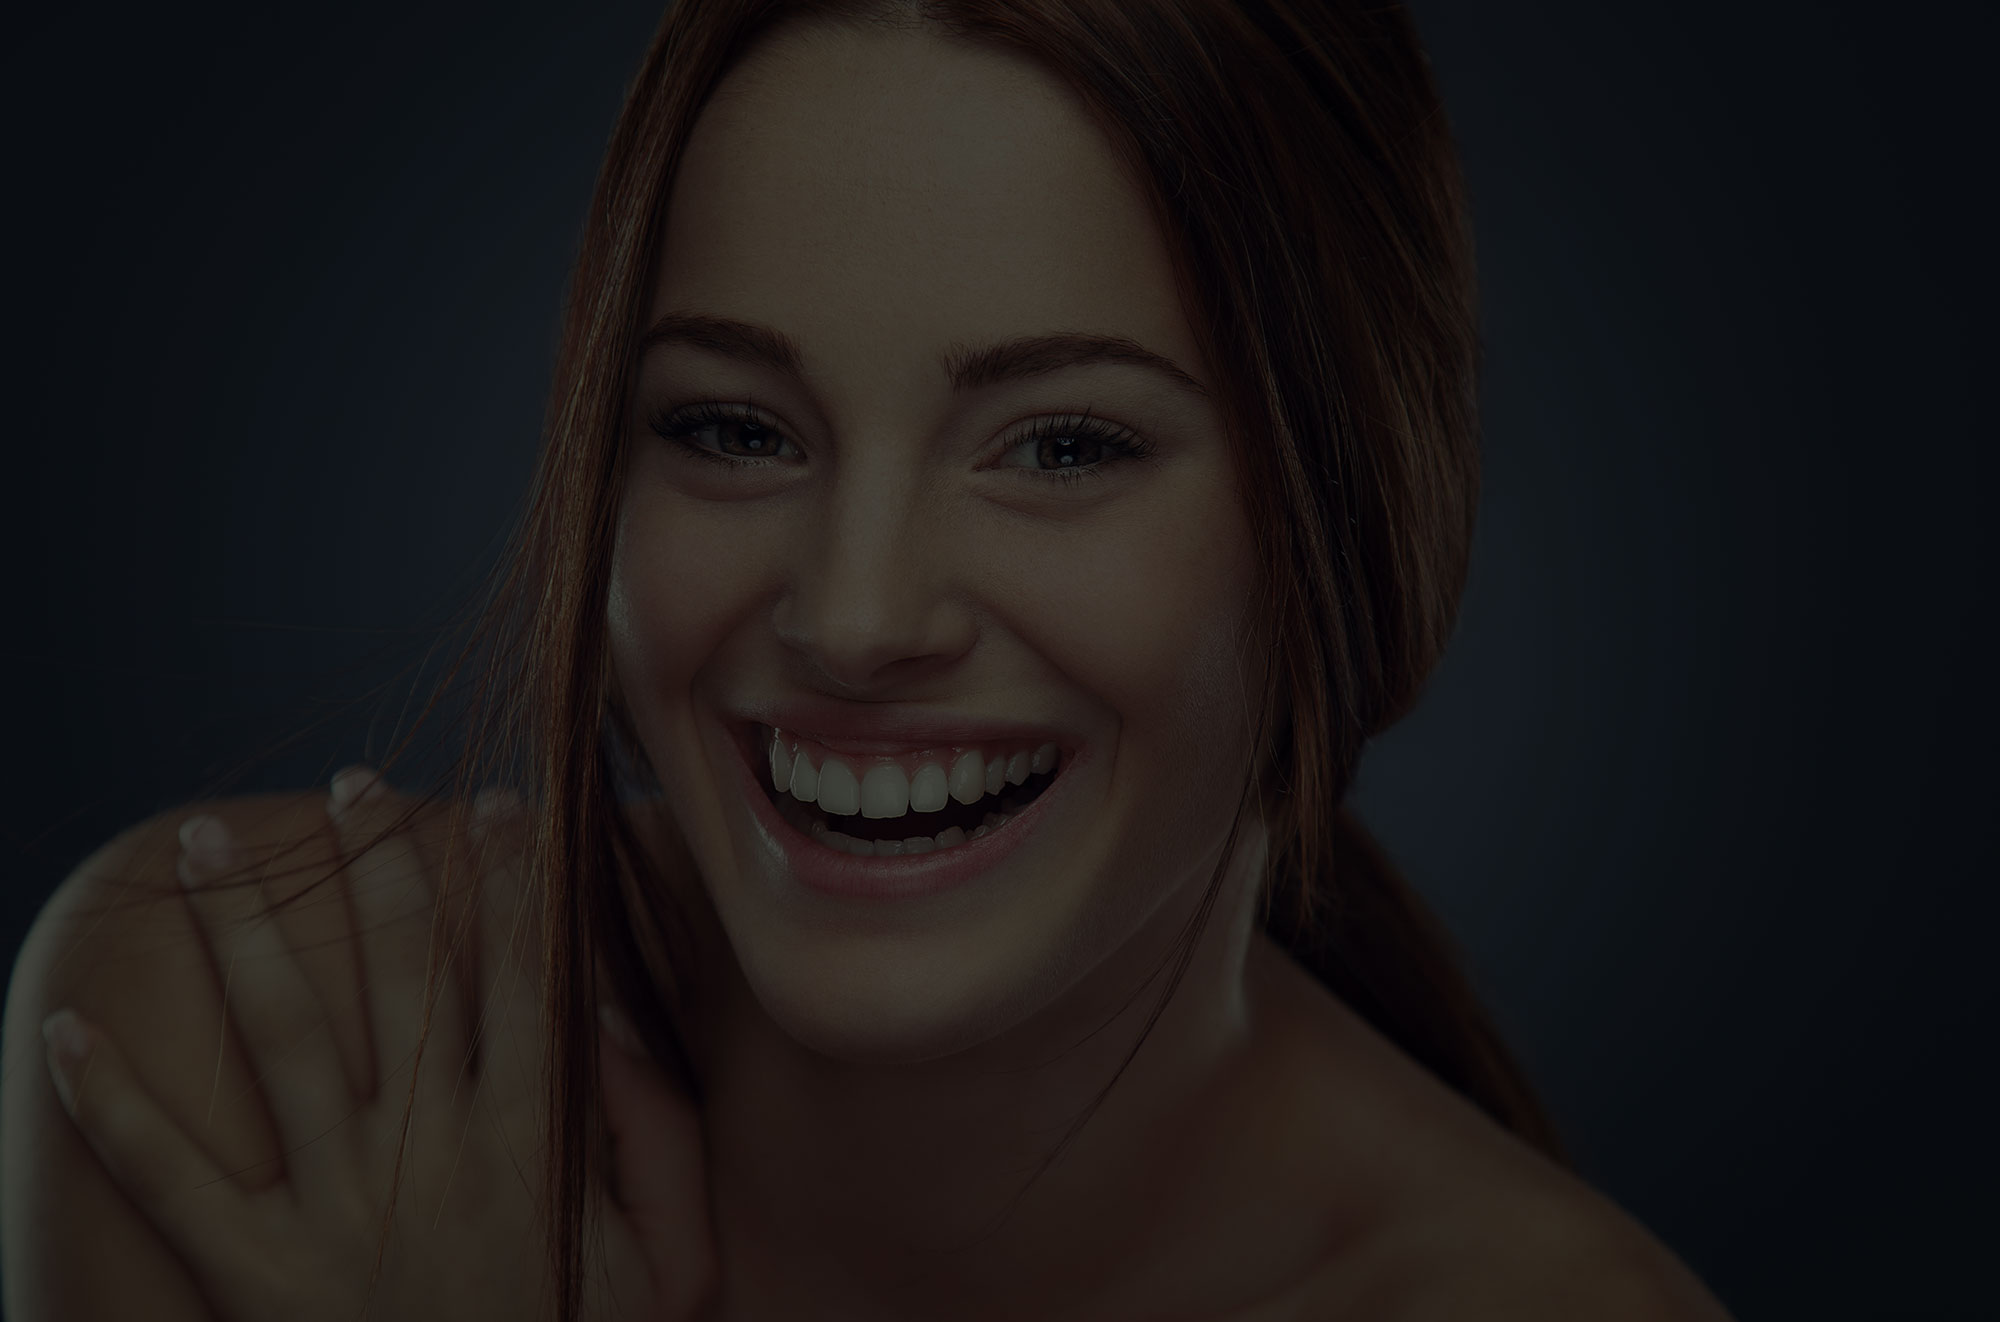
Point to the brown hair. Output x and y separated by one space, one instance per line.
1298 160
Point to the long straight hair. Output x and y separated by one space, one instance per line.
1297 159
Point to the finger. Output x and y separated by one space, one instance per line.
286 1032
197 1209
513 1038
395 902
307 891
658 1166
510 947
457 836
443 837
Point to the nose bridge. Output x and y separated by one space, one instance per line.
870 573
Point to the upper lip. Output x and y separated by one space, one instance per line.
881 728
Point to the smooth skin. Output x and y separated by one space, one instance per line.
880 1087
882 1080
311 1078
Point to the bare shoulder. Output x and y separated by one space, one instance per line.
1535 1262
111 903
118 943
1433 1212
116 935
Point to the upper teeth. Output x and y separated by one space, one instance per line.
889 787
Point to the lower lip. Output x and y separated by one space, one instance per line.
834 872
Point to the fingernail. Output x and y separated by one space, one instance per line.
349 785
69 1047
619 1029
206 848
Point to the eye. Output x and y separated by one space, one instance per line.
1074 448
692 427
1070 444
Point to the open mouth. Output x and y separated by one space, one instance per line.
913 832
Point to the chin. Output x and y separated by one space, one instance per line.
884 1002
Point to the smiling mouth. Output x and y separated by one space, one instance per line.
971 820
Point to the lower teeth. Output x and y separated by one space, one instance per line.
948 839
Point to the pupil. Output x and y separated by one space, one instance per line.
1067 457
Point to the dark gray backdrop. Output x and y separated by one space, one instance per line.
1699 785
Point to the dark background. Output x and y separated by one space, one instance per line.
1700 786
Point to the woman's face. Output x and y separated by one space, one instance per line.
881 200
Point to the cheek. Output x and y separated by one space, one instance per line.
1155 616
673 591
1161 620
673 605
1152 618
642 603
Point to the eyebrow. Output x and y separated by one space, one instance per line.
966 368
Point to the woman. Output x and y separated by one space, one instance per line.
1038 438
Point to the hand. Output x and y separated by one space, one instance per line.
465 1243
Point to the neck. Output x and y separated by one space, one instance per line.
912 1190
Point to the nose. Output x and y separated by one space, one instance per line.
877 592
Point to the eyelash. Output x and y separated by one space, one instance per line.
1122 442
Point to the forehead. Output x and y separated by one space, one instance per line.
876 195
